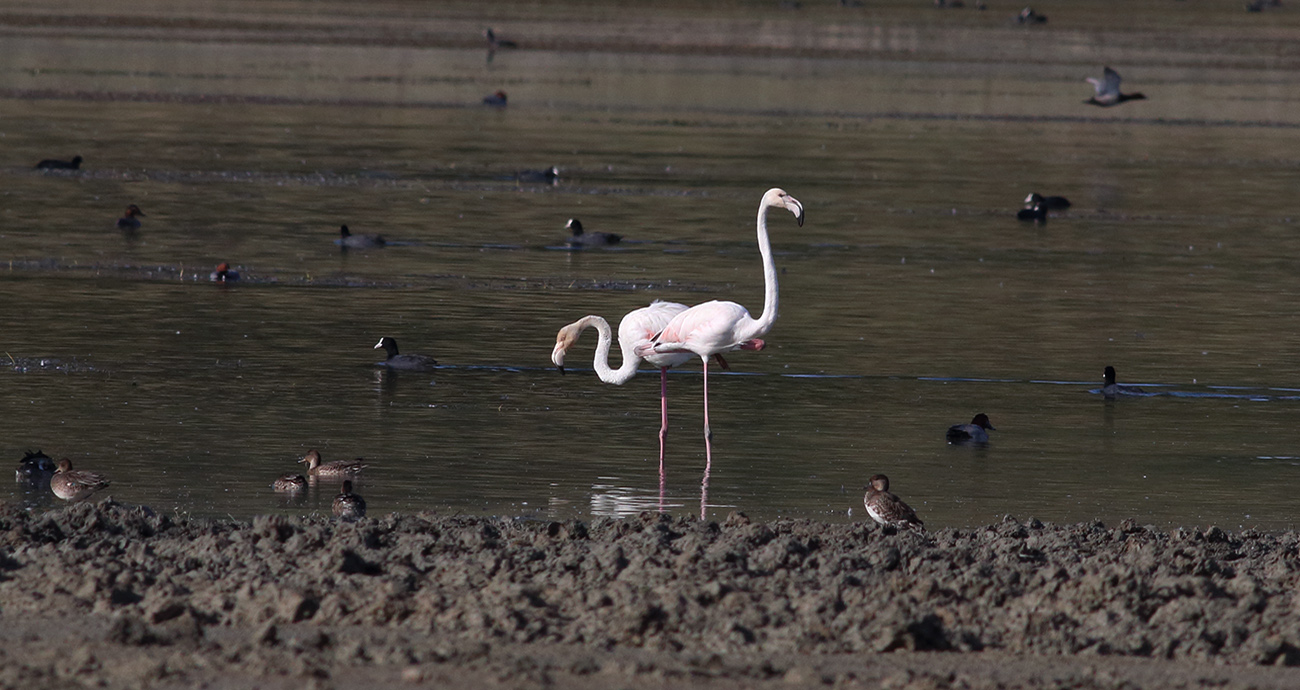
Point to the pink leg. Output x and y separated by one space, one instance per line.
663 429
708 444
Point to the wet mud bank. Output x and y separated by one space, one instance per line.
117 594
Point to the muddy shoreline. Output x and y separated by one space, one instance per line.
115 593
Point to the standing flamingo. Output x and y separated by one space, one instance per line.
636 329
715 327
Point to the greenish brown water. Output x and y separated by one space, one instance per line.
911 298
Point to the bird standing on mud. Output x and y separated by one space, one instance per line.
888 509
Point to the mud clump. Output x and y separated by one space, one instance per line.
311 597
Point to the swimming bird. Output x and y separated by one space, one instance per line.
347 240
719 326
347 505
35 467
223 274
1051 203
291 483
56 164
495 43
974 433
400 361
549 176
74 485
496 100
580 238
1036 213
1107 90
888 509
331 470
638 327
1029 16
129 221
1112 390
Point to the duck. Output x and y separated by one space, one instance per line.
56 164
347 505
128 221
291 483
331 470
888 509
1112 390
35 467
580 238
495 43
975 432
1029 16
400 361
74 485
496 100
1036 213
1051 203
549 176
347 240
223 274
1107 90
1261 5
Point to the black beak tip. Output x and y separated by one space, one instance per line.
561 368
800 220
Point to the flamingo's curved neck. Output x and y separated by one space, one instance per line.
625 372
770 299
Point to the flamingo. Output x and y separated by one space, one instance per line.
715 327
636 329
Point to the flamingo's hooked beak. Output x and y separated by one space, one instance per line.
561 368
795 207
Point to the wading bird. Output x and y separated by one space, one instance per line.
718 326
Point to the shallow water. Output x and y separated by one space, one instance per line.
910 300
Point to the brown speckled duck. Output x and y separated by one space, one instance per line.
888 509
337 469
289 484
74 485
347 505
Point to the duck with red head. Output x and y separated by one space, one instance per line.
974 433
223 274
496 100
888 509
129 220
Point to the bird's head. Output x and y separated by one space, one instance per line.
780 198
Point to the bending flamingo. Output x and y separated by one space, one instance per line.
637 328
715 327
